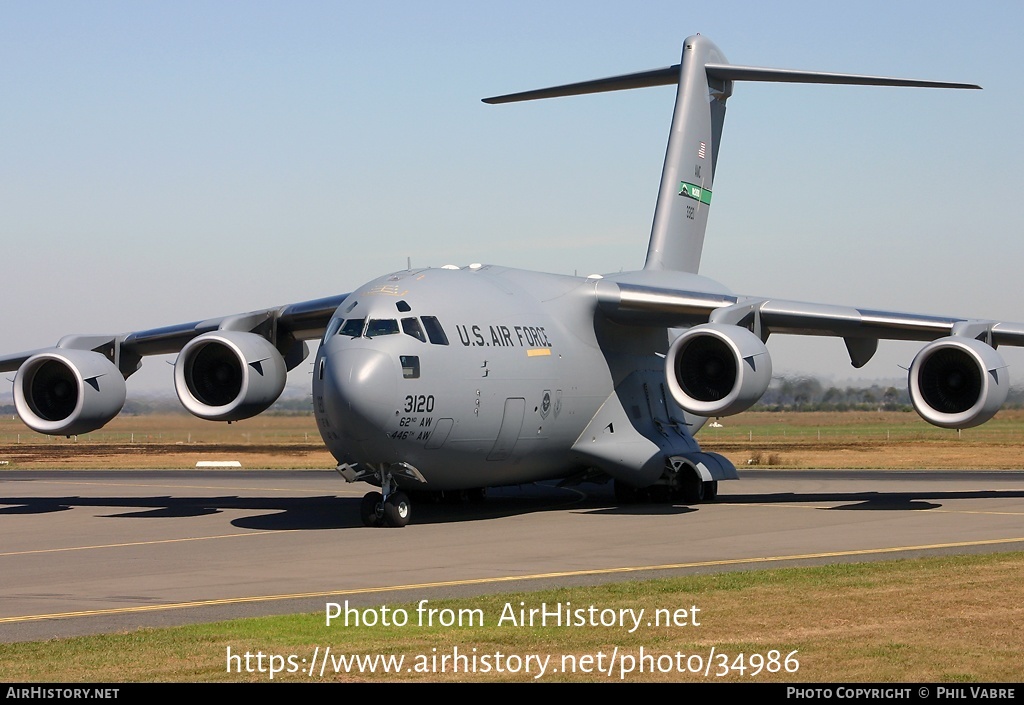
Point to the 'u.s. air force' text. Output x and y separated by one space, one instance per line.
503 336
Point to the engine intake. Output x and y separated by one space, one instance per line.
228 375
65 392
717 370
958 382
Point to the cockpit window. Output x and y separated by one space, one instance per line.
332 328
435 331
353 327
381 326
411 326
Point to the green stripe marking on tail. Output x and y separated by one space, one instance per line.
695 192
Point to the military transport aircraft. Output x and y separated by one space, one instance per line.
461 378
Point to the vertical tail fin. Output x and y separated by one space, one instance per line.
704 80
684 199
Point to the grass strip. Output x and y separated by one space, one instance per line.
941 619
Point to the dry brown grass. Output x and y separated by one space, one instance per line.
887 439
854 439
171 441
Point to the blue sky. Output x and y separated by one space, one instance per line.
163 162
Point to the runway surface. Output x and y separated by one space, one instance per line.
91 552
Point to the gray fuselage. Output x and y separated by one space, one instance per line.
525 362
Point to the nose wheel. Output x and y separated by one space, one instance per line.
371 509
395 510
390 506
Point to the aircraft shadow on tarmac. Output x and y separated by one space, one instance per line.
871 501
301 513
331 512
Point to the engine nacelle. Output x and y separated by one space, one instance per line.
717 370
65 392
958 382
228 375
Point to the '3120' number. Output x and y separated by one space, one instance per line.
419 403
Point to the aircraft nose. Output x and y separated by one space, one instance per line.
363 385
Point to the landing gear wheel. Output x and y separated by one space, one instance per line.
694 489
710 490
371 509
397 509
477 495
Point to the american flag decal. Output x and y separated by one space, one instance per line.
702 150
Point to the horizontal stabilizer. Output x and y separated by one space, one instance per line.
726 72
644 79
729 72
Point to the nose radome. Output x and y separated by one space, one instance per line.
363 386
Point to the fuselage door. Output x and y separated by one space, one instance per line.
511 424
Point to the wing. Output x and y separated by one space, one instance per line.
228 368
720 365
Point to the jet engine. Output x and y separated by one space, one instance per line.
66 392
958 382
717 370
228 375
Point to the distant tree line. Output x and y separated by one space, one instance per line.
289 405
809 394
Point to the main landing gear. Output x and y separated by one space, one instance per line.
680 483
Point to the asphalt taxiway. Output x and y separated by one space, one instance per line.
92 552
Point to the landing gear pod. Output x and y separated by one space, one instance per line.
717 370
958 382
67 392
228 375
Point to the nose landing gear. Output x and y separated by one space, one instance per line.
390 507
395 510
